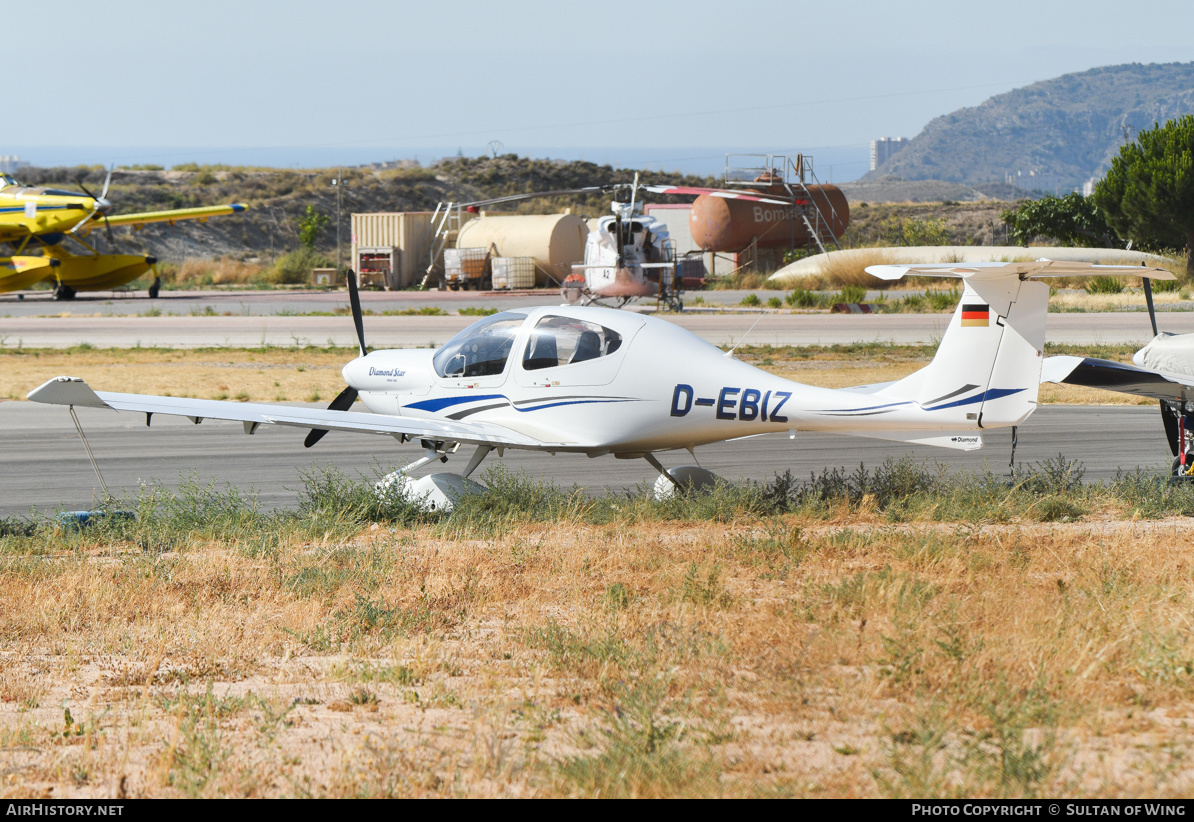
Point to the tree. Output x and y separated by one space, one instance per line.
1148 195
309 227
1072 220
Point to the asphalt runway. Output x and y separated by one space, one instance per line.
256 318
43 464
416 331
287 302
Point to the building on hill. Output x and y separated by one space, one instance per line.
10 163
883 148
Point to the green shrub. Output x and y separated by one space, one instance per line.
851 294
751 301
942 300
802 298
1104 284
295 268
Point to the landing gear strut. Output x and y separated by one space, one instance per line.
1180 442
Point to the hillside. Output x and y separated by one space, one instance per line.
279 197
1064 130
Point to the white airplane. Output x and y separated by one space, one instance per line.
599 382
1163 369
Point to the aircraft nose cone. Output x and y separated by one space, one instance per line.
355 372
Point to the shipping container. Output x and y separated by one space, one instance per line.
409 232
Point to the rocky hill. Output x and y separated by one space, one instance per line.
279 197
1057 133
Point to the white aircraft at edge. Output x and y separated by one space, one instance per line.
599 381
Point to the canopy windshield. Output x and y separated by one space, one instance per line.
480 350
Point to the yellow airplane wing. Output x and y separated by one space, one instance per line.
169 217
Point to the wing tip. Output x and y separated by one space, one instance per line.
66 391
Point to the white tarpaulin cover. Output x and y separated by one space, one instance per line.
1170 353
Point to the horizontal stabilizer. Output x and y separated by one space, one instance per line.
960 441
1029 270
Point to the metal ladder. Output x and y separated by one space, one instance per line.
794 174
445 227
818 225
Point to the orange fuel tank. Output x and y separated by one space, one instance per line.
721 224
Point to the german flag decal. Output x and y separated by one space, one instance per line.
976 315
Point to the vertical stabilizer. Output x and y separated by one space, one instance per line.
987 368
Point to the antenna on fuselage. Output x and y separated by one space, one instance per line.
730 353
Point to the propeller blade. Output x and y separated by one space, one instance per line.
343 402
86 190
348 396
108 228
1148 299
107 181
85 220
354 299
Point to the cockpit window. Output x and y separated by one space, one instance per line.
7 180
481 350
564 340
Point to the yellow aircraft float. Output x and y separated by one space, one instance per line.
33 218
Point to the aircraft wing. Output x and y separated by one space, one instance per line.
74 391
1117 376
170 217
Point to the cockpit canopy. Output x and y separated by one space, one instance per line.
482 349
567 340
7 180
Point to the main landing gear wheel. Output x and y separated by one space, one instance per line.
156 288
63 292
1180 471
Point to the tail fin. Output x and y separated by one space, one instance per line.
987 369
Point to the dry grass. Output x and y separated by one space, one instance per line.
840 271
257 375
1073 300
756 657
220 271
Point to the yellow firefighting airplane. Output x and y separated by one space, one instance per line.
43 218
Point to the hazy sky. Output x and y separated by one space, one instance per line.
659 75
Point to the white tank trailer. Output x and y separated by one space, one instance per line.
555 241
